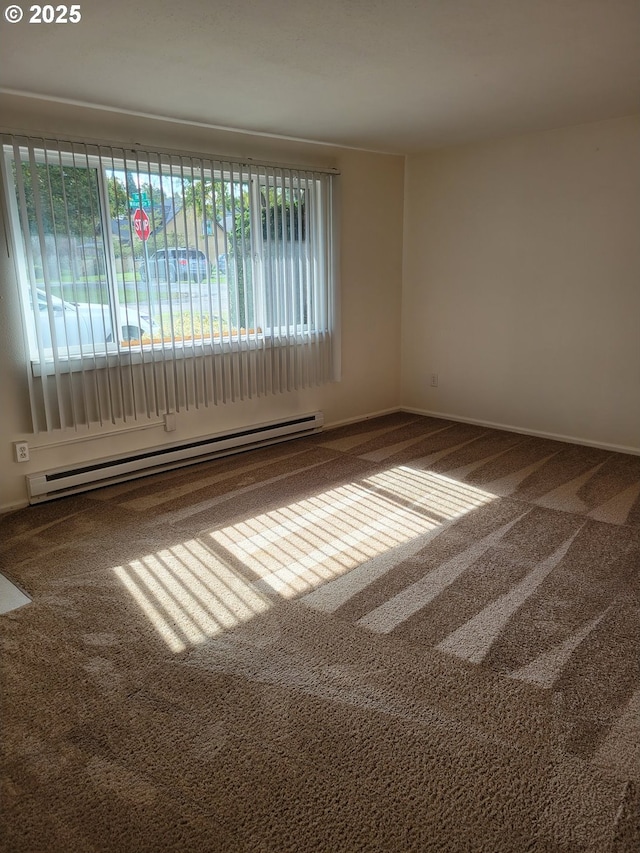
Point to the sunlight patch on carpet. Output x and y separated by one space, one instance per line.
189 595
297 548
201 587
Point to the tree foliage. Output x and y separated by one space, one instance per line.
64 198
119 193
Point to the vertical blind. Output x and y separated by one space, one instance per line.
152 282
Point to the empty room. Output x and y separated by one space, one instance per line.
320 426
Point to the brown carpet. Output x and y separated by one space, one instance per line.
403 635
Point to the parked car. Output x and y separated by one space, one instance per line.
173 265
86 324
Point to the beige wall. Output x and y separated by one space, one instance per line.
371 267
522 283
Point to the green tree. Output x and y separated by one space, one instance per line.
118 197
211 198
64 198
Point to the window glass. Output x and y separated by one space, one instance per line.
121 255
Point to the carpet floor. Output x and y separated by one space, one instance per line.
407 634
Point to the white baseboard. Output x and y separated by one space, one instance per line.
616 448
568 439
361 418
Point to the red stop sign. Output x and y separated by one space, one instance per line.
141 224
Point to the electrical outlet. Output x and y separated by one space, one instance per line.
434 380
21 450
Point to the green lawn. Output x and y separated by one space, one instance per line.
92 289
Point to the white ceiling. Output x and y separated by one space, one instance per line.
386 75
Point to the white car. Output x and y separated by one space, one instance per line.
86 323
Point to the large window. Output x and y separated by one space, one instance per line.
167 280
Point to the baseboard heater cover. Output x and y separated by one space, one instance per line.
48 485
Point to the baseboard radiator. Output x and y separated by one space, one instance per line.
48 485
